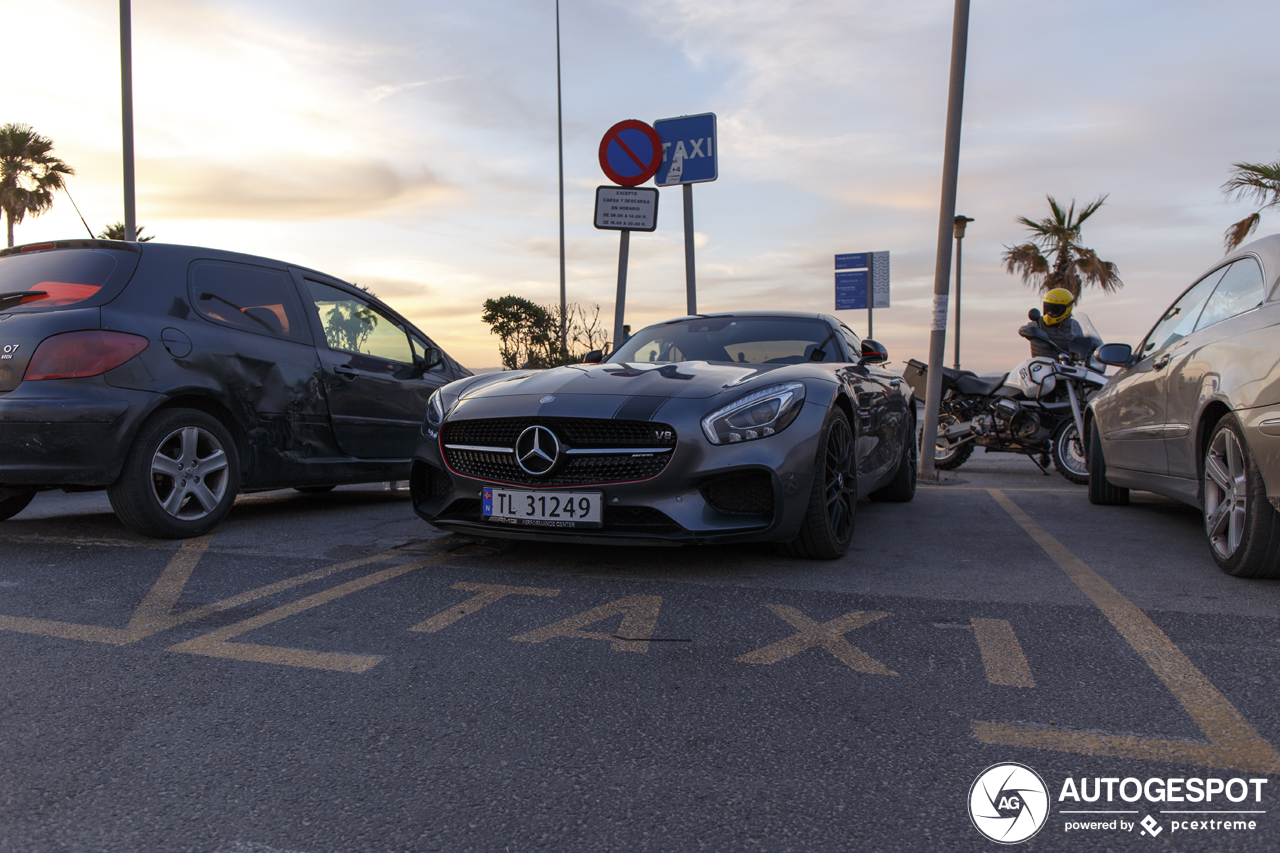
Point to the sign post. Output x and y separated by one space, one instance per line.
863 284
689 149
630 154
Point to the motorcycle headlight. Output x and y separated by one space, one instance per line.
435 416
757 415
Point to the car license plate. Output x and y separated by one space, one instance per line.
543 508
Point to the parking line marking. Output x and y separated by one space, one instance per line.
487 593
218 643
828 636
1002 655
639 620
1233 743
153 612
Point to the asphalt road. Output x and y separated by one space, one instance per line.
327 673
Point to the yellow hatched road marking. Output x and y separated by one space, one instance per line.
218 643
1233 743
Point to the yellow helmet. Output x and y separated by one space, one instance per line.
1057 306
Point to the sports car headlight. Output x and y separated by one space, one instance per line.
757 415
435 416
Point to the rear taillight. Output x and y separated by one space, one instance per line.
78 354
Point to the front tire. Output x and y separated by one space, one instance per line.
1068 454
1242 528
14 504
827 528
181 476
1101 492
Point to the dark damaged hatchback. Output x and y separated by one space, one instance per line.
176 377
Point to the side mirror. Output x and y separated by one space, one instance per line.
594 357
433 359
1034 315
873 352
1116 355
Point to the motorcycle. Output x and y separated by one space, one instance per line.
1035 409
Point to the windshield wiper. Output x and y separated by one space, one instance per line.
16 297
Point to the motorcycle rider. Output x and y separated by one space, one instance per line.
1056 322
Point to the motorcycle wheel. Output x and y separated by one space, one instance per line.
1068 454
948 456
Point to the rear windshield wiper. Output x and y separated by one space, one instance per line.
16 297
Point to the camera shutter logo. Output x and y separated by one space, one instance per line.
1008 803
537 451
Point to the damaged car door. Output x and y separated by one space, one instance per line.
377 381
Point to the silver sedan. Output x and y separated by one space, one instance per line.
1194 413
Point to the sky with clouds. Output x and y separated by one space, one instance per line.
412 146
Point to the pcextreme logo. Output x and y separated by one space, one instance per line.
1008 803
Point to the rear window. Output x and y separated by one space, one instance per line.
251 298
62 278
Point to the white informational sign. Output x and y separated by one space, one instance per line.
627 208
879 279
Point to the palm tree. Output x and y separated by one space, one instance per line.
1073 266
1261 180
29 173
115 231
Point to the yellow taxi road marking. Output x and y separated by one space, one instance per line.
486 594
639 620
218 643
1233 743
37 538
828 636
1002 655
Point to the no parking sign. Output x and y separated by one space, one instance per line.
630 153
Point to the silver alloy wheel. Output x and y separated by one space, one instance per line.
189 473
1226 493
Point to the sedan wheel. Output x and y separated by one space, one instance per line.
827 528
181 476
1242 528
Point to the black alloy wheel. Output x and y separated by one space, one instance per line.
827 528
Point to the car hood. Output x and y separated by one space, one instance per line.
686 379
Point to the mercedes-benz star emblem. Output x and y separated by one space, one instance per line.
537 451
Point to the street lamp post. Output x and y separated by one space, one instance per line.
960 222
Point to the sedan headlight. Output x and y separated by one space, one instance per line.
435 416
757 415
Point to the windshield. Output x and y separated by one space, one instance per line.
64 278
741 340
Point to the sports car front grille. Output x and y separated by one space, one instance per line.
484 450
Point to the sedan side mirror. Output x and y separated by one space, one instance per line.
873 352
433 358
1117 355
594 357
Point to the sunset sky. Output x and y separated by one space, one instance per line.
411 147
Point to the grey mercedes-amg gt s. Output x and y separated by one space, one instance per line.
740 427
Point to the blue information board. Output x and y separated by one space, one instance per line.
851 290
688 150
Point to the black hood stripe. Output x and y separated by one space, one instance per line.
638 408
